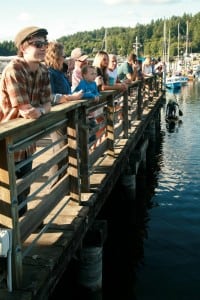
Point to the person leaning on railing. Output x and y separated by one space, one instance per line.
128 70
80 60
25 90
147 67
61 90
101 62
112 73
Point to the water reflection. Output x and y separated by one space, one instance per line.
128 221
173 126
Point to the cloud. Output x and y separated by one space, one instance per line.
24 17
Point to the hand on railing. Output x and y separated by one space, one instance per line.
27 111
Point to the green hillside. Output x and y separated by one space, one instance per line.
120 40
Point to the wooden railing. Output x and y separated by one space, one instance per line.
115 114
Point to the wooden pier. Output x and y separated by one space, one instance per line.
36 256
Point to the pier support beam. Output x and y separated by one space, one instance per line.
153 128
90 257
137 160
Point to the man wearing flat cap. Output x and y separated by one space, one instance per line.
25 90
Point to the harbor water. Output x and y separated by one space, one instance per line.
154 255
160 259
170 266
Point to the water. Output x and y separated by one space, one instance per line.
155 254
160 260
171 260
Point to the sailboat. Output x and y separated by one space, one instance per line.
171 82
104 43
177 80
187 59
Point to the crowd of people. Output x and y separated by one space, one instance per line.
40 77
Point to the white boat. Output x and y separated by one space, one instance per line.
173 82
183 79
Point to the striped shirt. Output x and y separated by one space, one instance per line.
21 86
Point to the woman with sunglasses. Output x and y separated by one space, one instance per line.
25 91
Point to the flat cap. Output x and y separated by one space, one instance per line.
29 32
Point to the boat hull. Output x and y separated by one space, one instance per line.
173 83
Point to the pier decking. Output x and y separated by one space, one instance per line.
40 254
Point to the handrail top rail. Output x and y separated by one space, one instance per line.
14 126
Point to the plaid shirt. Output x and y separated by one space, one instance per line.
21 86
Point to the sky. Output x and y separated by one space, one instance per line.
65 17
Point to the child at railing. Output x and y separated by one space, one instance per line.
88 85
90 91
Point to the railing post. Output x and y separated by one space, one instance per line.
9 207
133 102
84 150
110 124
74 161
140 100
125 114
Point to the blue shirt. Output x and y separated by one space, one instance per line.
59 82
124 69
89 89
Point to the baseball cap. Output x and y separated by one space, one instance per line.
77 54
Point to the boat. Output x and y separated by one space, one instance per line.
178 72
182 78
173 82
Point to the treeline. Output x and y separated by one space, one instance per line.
122 40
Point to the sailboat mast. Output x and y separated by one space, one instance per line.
187 37
164 53
164 43
105 40
168 52
178 41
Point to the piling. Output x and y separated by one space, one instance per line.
91 256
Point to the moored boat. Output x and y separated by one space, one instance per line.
183 79
173 82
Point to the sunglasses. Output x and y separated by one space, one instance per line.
39 44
